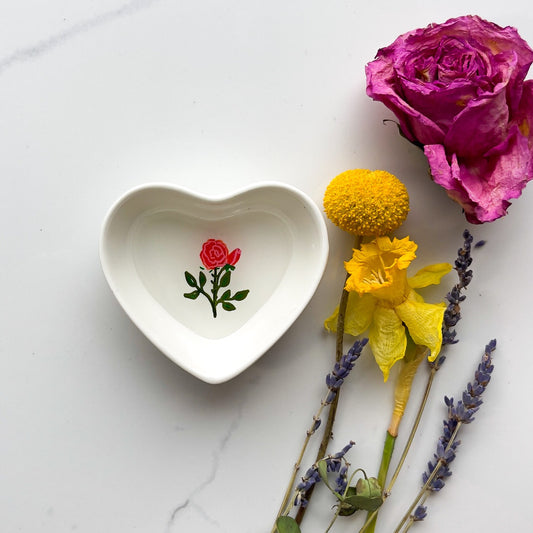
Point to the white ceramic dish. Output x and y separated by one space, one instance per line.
154 234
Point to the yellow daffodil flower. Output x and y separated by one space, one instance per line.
383 301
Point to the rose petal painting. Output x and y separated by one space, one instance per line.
219 262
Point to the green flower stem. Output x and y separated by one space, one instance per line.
335 516
388 449
213 300
213 307
430 479
401 398
407 447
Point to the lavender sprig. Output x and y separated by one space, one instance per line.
334 381
340 372
452 315
459 413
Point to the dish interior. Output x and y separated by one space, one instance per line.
166 243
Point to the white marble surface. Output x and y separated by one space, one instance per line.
99 431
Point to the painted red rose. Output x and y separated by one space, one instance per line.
234 256
214 254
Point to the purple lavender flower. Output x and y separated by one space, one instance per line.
342 369
452 315
310 478
336 377
341 481
419 514
334 461
461 412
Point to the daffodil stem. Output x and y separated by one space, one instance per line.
402 392
388 449
339 348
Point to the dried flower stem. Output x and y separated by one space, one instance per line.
339 348
298 463
412 520
430 479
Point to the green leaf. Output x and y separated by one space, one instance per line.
192 295
190 279
286 524
323 470
225 279
226 295
367 495
346 507
202 278
240 295
228 307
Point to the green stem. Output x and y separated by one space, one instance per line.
213 307
386 493
388 448
335 516
213 301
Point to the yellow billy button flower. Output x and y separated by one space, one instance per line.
367 203
383 301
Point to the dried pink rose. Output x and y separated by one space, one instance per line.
458 89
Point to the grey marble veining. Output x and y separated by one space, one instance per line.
191 502
35 50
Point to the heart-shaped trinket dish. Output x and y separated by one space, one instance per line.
214 282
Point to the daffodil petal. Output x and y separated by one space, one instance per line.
359 312
424 322
430 275
387 339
